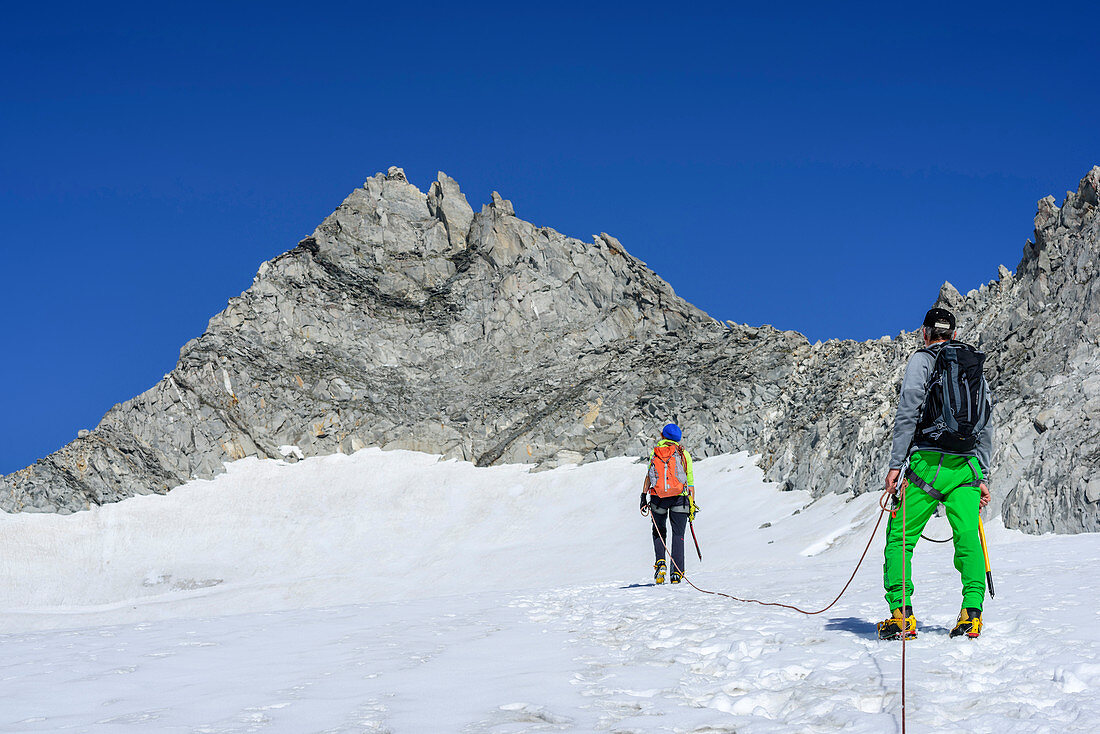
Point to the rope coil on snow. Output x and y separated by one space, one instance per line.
882 503
690 583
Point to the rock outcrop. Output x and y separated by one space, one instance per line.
408 320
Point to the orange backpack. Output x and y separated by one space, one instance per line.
667 478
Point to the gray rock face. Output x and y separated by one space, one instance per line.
407 320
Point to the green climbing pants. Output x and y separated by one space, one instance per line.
952 480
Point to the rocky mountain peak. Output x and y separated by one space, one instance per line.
949 297
410 320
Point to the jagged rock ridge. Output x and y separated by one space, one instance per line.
407 320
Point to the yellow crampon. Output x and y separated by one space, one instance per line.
897 626
969 624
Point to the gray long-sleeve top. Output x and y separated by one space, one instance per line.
913 388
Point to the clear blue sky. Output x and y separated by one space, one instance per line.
818 169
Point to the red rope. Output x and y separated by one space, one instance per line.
882 503
775 603
903 617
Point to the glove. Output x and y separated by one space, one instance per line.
645 504
693 508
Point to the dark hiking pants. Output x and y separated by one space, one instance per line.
675 510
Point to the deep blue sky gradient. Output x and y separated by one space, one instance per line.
817 169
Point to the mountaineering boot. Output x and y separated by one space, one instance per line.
676 576
899 626
659 571
969 624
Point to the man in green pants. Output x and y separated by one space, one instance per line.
943 440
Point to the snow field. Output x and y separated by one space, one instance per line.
393 592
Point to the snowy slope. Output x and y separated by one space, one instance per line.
391 591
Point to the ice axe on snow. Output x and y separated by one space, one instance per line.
985 551
692 526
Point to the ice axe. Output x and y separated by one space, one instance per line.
985 551
693 508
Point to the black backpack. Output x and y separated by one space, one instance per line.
956 401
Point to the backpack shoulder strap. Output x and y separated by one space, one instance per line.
680 451
934 350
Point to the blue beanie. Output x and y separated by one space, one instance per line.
671 432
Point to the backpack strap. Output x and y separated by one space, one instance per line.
933 352
933 349
680 451
976 468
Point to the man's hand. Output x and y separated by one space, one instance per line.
892 481
986 496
